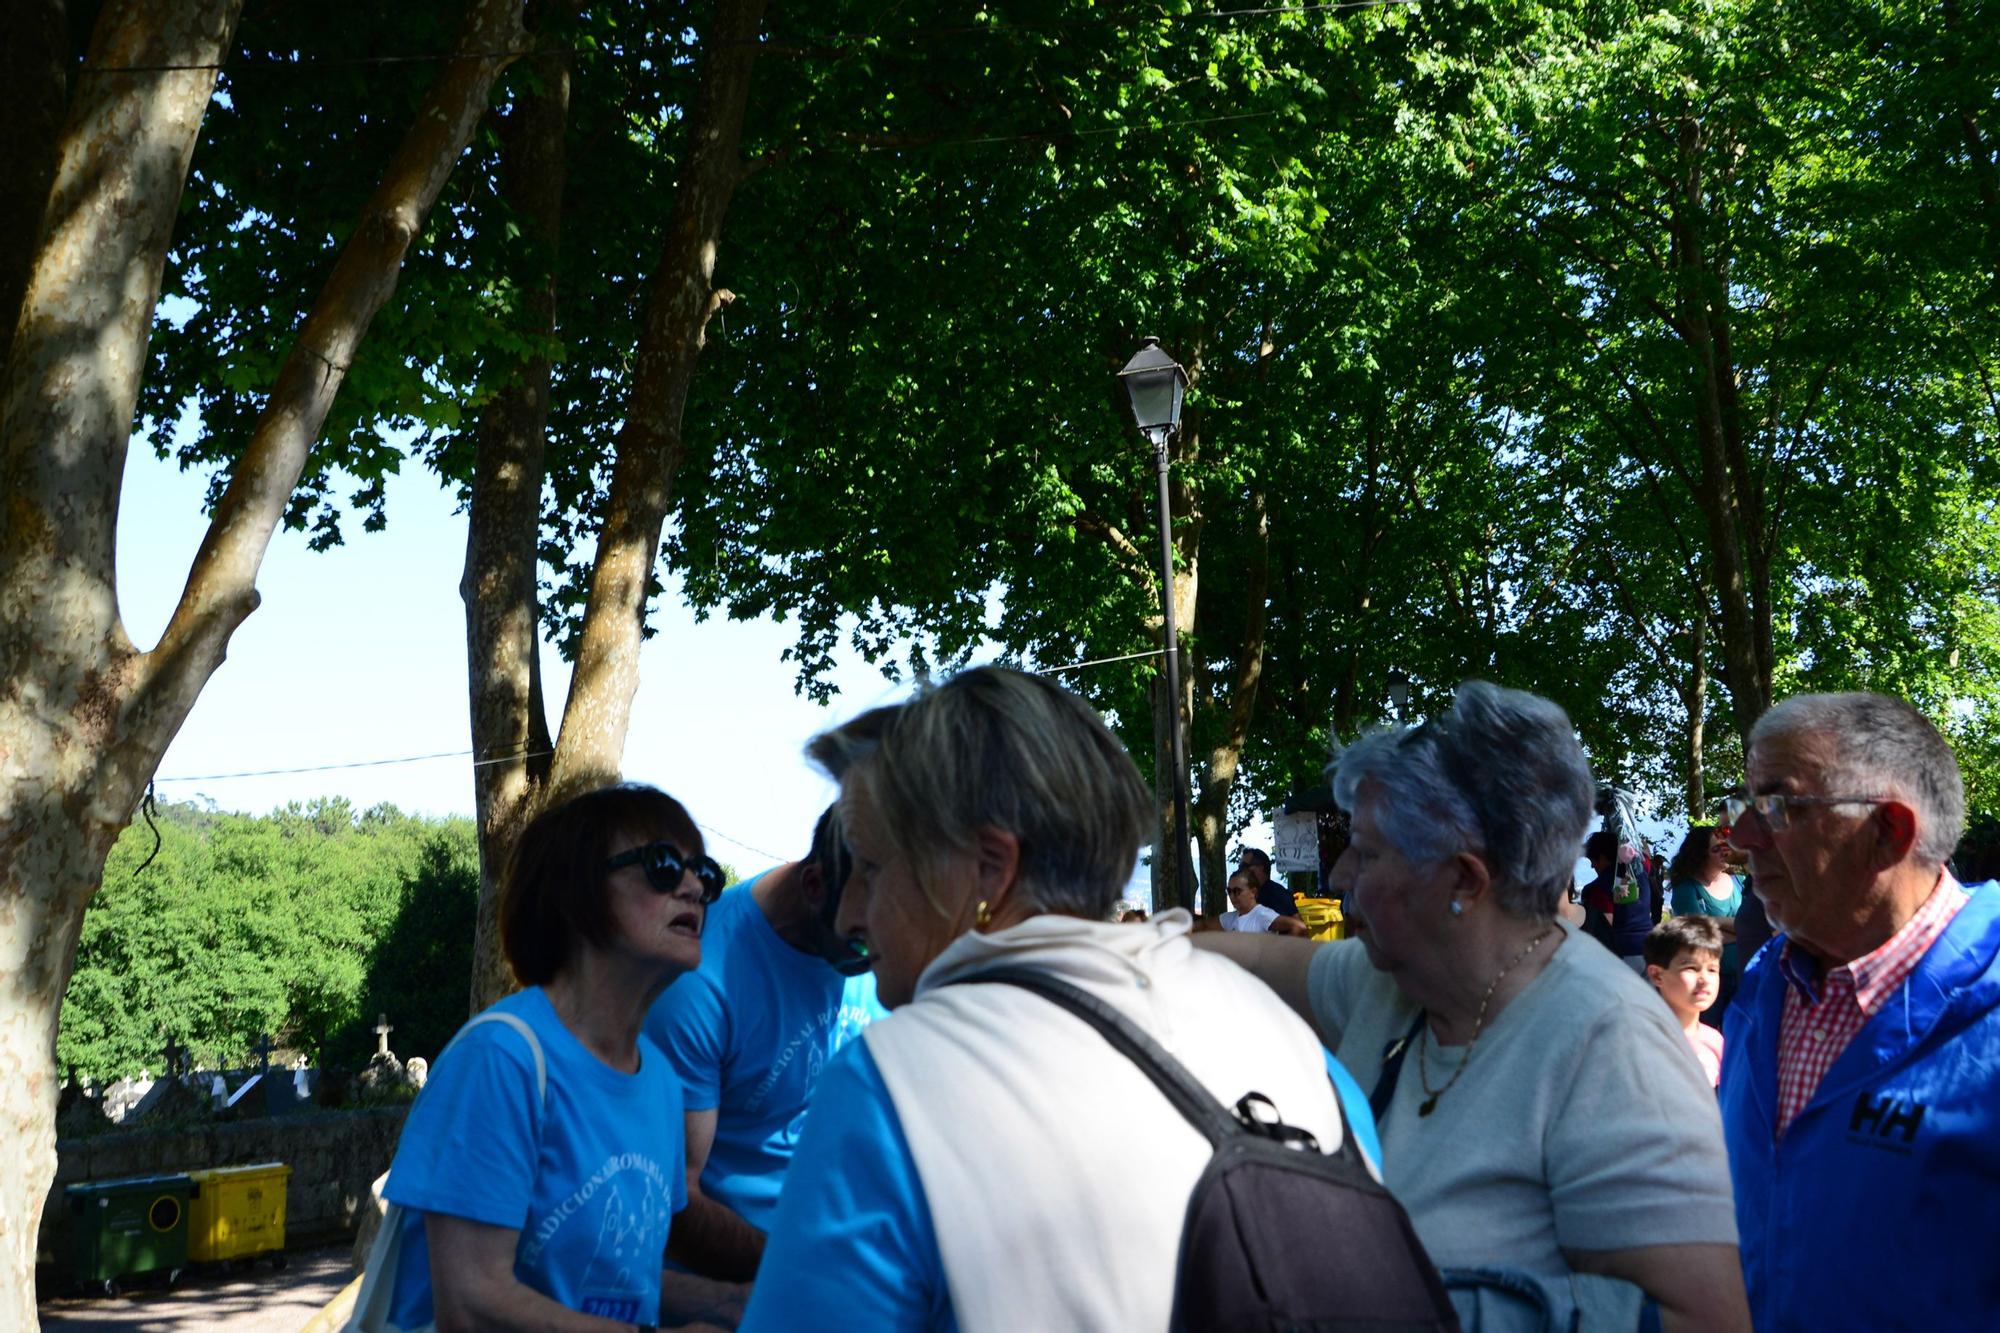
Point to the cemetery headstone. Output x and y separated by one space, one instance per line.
125 1094
79 1112
383 1080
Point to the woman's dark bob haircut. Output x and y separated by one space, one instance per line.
555 897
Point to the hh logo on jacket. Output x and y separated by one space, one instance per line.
1888 1122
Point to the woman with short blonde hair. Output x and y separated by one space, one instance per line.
980 1159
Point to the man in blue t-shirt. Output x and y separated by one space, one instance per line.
777 993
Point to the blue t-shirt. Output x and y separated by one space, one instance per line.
853 1236
591 1179
749 1033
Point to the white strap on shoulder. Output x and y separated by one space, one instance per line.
378 1286
520 1025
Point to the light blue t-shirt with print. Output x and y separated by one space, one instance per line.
853 1235
749 1033
591 1178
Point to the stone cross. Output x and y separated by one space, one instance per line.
263 1048
382 1031
175 1053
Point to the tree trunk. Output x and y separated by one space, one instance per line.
1360 583
1225 757
1726 490
510 728
1696 700
84 716
681 297
33 90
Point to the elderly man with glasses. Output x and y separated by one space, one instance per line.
1861 1086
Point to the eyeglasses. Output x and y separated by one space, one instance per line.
664 865
1772 807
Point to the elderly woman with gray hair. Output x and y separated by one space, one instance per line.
1539 1111
980 1159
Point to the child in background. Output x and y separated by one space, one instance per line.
1684 963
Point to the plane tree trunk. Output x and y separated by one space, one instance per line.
510 729
681 297
84 715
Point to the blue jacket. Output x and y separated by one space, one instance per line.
1880 1208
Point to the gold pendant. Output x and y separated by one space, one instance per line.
1429 1105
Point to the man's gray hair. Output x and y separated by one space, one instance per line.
1501 776
992 747
1881 746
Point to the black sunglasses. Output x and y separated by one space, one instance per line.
664 865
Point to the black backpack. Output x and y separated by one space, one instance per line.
1279 1235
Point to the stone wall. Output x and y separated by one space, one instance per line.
334 1156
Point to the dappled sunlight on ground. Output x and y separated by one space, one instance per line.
251 1298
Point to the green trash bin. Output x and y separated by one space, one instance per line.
120 1228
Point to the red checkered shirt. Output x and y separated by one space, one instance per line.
1823 1010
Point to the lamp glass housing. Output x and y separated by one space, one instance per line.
1156 384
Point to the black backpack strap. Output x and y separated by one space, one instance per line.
1392 1069
1188 1095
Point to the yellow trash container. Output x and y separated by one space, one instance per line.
237 1211
1323 918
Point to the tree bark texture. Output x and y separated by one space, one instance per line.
33 92
1695 699
1361 581
1225 757
84 716
681 297
510 729
1728 488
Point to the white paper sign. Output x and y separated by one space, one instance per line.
1295 842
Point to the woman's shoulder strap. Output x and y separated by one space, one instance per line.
520 1025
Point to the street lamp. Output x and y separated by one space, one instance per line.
1157 384
1399 693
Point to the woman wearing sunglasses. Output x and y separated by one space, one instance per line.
539 1172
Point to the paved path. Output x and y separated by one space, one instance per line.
252 1299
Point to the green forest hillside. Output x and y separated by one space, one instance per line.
301 925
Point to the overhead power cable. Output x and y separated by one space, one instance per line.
1100 661
420 758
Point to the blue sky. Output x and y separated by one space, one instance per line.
359 654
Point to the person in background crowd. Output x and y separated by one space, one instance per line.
1684 963
1617 900
532 1209
1862 1090
1753 928
1701 885
1247 914
980 1160
1536 1103
779 991
1270 893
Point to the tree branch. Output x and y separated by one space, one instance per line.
680 299
220 589
1130 557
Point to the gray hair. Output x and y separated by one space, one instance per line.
1501 776
991 747
1881 746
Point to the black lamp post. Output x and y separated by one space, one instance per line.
1399 694
1157 384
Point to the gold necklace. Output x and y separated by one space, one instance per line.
1430 1101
